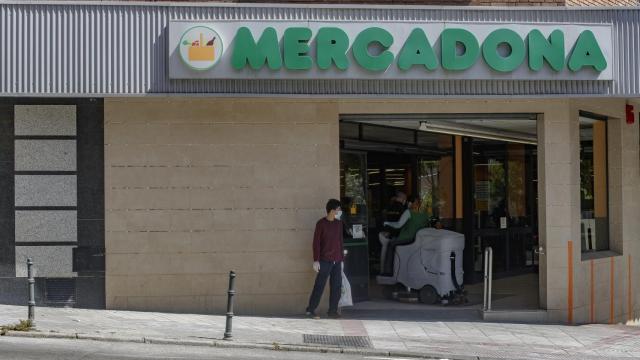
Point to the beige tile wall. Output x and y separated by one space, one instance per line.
198 187
558 155
624 199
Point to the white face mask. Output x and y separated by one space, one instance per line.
338 214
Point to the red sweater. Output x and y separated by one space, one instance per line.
327 241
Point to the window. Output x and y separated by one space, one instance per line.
436 177
349 130
388 134
594 208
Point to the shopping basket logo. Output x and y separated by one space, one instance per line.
200 47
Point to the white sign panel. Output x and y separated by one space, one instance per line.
357 231
205 50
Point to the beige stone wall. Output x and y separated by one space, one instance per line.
600 291
616 293
198 187
428 2
558 194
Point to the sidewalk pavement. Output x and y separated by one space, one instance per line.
459 339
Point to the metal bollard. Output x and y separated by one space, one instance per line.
32 292
489 296
488 277
231 293
485 277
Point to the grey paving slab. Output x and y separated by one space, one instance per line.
391 345
409 330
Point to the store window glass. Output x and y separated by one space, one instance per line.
436 177
388 134
352 181
504 203
490 185
516 184
349 130
594 212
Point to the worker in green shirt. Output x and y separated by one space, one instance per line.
410 222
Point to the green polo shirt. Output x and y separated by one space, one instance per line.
417 221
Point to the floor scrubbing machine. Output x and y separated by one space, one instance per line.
430 266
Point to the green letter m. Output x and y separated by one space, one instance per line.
266 50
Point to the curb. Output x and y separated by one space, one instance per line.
235 345
31 334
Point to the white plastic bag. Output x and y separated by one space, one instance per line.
345 296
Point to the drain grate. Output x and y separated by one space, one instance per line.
346 341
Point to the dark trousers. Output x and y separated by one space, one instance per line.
328 269
391 254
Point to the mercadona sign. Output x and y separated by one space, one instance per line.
321 50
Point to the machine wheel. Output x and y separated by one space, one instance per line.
428 295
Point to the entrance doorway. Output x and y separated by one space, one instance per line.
501 179
482 186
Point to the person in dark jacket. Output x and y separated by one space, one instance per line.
327 259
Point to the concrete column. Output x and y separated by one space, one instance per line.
629 209
559 206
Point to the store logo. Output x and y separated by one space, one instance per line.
460 50
200 48
326 50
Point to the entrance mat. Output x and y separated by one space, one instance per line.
346 341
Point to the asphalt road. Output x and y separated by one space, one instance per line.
59 349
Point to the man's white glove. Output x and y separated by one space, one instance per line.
316 266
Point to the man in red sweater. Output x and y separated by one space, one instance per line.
327 259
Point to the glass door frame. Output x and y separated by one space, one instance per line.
473 252
357 249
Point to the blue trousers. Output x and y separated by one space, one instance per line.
328 269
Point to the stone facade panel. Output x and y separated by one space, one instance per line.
230 185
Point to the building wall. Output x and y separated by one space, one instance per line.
606 287
602 3
52 201
121 50
559 203
200 186
423 2
443 2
